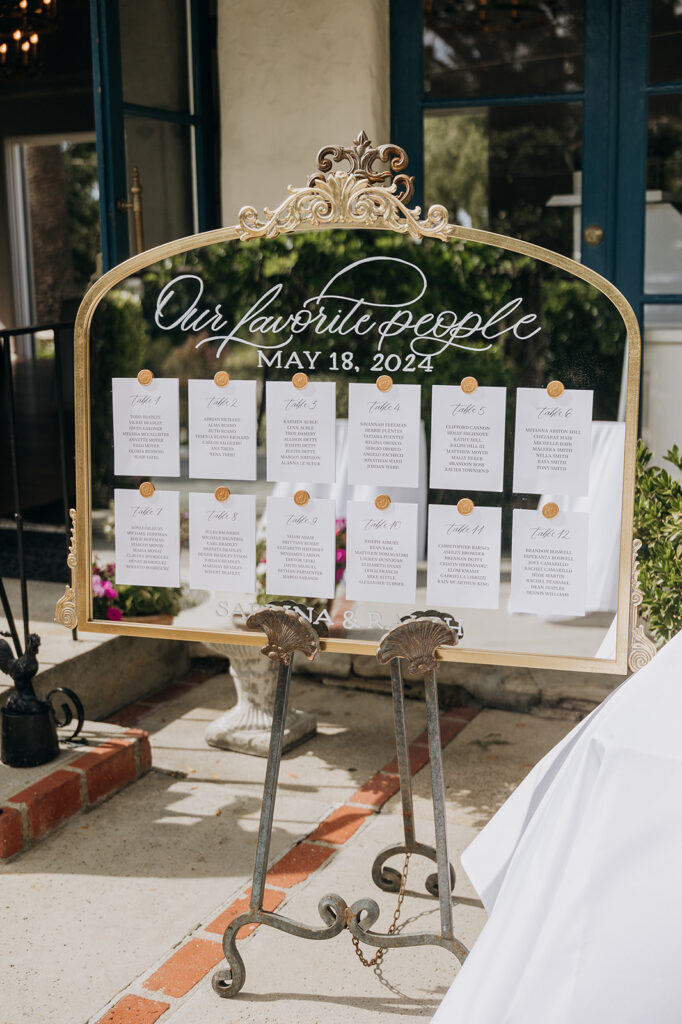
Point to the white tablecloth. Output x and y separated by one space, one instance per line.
581 873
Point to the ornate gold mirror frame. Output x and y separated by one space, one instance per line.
372 193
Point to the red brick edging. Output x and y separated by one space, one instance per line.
200 954
34 812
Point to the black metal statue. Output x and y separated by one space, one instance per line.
29 724
21 670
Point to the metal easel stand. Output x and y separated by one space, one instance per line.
417 641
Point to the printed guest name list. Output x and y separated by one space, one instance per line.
146 427
147 538
301 432
222 542
300 555
222 430
464 557
381 552
549 563
383 435
552 442
467 438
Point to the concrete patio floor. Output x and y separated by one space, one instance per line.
93 915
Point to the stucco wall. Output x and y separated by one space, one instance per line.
295 76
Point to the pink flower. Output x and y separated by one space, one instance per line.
109 591
97 585
115 614
341 555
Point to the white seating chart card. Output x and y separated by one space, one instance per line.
222 430
147 538
463 568
552 442
301 548
146 427
549 563
383 435
301 432
222 542
381 552
467 438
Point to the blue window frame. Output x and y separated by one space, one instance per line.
110 117
615 96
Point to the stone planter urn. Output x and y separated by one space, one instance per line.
246 726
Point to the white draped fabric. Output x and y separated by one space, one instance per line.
581 873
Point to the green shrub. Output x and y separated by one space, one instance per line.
658 524
118 342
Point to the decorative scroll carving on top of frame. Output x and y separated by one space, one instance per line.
65 612
350 198
362 157
641 649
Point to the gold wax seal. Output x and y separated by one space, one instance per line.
147 489
145 377
469 385
301 497
299 380
221 493
221 379
382 501
465 506
550 510
384 383
555 389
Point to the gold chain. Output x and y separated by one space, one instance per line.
380 953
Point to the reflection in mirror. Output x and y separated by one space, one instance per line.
343 309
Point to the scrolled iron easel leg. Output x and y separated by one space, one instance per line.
228 981
386 877
286 632
417 640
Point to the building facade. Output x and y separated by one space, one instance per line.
558 121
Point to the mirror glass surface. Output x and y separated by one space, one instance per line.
506 319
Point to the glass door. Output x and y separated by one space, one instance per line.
502 111
661 293
153 97
560 123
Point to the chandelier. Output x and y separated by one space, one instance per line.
23 24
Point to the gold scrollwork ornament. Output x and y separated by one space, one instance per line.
65 613
642 649
356 197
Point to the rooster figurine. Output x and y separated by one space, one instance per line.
21 670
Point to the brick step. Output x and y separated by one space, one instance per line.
36 801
